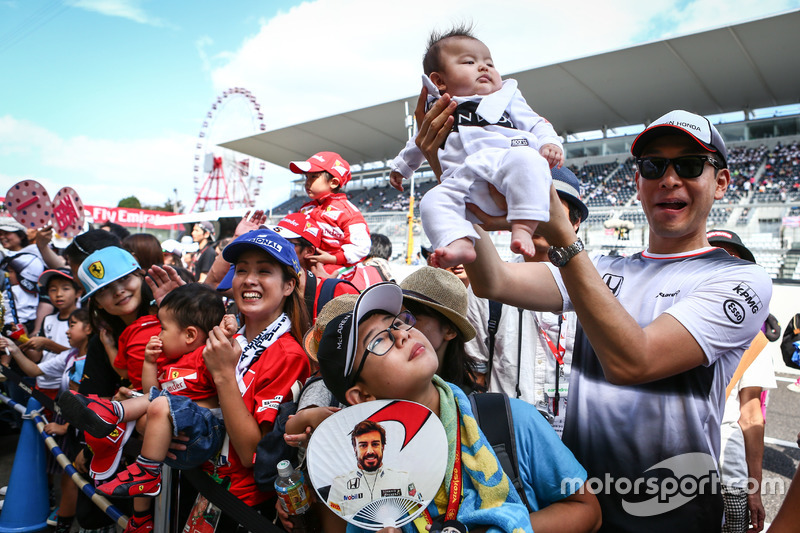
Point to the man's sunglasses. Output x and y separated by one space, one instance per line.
688 166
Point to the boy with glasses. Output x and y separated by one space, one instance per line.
374 352
662 332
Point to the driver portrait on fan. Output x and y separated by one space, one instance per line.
370 480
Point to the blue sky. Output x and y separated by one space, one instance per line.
108 96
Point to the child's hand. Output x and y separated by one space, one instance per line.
553 154
153 349
396 180
319 271
229 326
35 343
124 393
56 429
322 257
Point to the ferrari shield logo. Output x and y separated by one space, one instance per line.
96 270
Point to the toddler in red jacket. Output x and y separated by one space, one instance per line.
345 236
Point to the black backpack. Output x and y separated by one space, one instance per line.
790 335
272 448
499 431
313 304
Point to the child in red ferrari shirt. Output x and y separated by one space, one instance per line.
183 397
345 236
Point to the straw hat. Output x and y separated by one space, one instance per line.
442 291
332 309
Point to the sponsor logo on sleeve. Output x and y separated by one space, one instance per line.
272 403
751 299
668 294
734 311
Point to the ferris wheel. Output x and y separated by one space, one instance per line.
224 179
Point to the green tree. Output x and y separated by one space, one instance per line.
168 206
130 202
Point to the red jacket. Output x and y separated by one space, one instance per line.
344 231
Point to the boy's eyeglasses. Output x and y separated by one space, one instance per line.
688 166
383 341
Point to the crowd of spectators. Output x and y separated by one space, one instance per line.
611 184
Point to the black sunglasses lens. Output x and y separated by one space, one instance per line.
689 167
653 168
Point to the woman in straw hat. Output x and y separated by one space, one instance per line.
438 301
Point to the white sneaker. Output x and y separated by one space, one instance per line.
794 387
52 520
3 490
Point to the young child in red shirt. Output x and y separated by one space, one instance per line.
345 236
182 397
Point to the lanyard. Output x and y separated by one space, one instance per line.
11 304
456 482
558 350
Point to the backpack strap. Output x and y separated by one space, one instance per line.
314 378
495 312
519 350
310 293
499 431
326 293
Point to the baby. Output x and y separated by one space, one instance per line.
496 139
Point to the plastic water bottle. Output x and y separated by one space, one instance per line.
295 498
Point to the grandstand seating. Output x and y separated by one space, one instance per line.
765 181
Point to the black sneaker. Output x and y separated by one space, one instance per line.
94 415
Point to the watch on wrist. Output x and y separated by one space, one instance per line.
560 256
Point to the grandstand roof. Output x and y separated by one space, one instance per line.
744 66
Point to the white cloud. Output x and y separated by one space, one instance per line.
201 44
102 170
128 9
328 56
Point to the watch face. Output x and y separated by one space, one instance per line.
556 255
